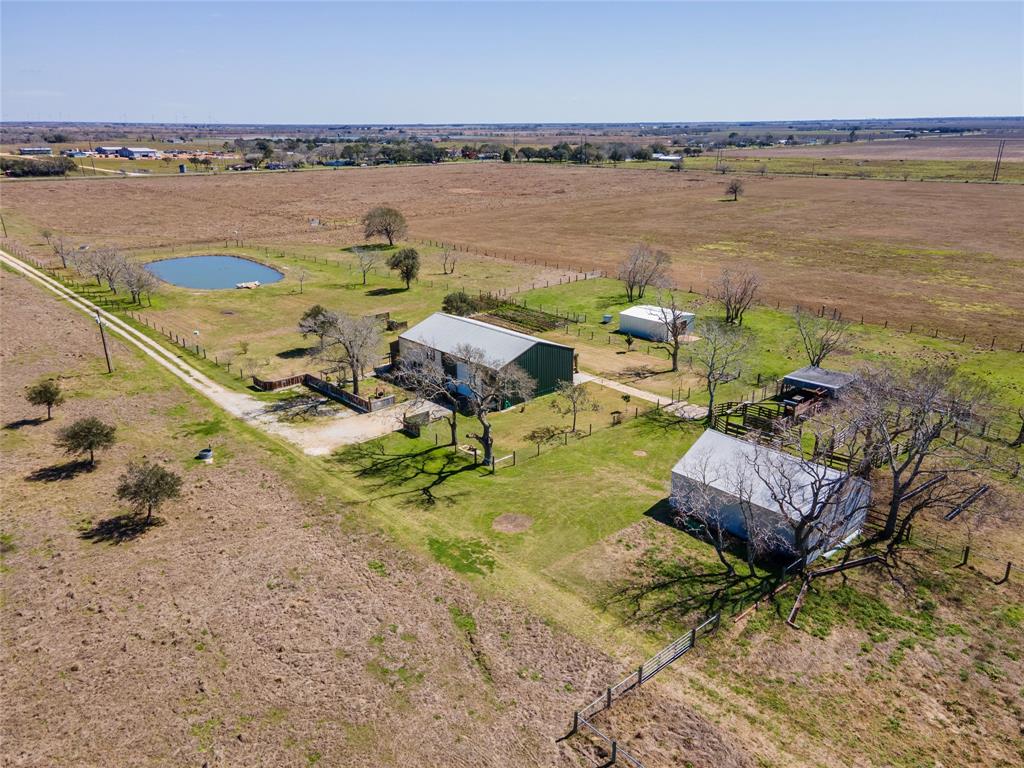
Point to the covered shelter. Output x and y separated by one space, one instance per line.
647 321
445 335
742 484
805 390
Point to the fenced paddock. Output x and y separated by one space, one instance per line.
663 658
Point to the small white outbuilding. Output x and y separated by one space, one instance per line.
647 321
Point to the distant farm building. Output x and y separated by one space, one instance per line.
35 151
647 321
107 150
774 497
547 363
663 156
74 153
135 153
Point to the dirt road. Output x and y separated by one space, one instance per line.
315 440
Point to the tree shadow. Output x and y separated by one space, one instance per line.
67 471
301 407
120 529
295 352
368 247
24 423
417 475
385 291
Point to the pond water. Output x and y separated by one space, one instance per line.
212 272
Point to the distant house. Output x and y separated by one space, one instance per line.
74 153
546 362
136 153
35 151
107 150
774 497
646 321
663 156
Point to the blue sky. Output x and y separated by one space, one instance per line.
508 62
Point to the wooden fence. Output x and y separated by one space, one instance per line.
663 658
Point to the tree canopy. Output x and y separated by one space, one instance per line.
407 263
45 393
86 435
383 221
147 486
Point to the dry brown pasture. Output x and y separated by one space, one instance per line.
941 254
258 623
928 148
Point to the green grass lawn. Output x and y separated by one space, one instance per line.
774 348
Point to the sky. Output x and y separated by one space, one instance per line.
492 62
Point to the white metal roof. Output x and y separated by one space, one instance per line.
652 312
726 464
448 332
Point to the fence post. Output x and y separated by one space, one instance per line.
608 696
640 675
513 458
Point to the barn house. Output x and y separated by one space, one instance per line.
647 321
135 153
35 151
778 489
546 362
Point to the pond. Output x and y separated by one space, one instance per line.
212 272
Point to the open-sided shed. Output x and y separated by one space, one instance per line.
831 383
647 321
547 363
743 485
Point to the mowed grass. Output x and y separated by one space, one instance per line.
774 347
265 320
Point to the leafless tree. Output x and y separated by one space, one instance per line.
421 370
718 354
302 276
675 324
87 263
734 188
368 261
109 265
573 399
643 266
448 261
353 343
821 336
137 280
910 421
817 505
487 387
736 291
698 500
61 249
254 366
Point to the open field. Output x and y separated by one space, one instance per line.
921 148
596 559
260 621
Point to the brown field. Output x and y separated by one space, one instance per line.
928 148
257 624
946 255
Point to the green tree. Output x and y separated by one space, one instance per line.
506 156
147 486
407 263
46 393
317 321
459 303
384 222
573 399
86 435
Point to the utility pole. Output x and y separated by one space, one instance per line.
103 338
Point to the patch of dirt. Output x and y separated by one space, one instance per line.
640 453
252 625
512 523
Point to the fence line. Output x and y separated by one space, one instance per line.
659 661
